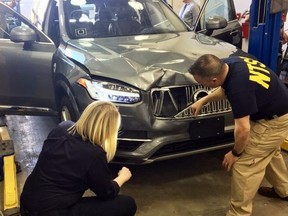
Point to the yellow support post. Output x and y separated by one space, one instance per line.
11 204
11 200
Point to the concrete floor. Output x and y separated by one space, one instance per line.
190 186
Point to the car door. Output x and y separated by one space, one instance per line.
232 33
26 77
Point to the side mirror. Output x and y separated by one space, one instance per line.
215 22
22 34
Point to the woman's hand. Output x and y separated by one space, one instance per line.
123 176
125 173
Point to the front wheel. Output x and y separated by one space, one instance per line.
66 110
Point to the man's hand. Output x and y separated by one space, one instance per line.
241 136
197 106
229 160
216 95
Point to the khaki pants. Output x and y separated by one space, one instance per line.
262 157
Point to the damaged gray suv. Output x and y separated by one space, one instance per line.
134 53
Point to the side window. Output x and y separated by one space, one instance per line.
221 8
8 21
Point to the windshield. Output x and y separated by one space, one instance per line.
110 18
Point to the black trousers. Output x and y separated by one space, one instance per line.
62 212
92 206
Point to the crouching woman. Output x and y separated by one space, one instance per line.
75 158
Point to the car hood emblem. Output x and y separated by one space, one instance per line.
199 94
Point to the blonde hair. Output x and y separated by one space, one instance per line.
99 123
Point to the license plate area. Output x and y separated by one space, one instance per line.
207 127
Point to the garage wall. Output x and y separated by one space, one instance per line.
242 5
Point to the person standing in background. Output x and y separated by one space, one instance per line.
189 13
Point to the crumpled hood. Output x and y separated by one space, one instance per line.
146 60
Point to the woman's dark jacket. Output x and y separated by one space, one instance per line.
65 169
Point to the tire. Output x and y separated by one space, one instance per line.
66 111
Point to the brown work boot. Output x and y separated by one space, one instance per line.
270 192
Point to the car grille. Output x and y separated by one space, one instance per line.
197 146
174 102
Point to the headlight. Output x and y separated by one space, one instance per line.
101 90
